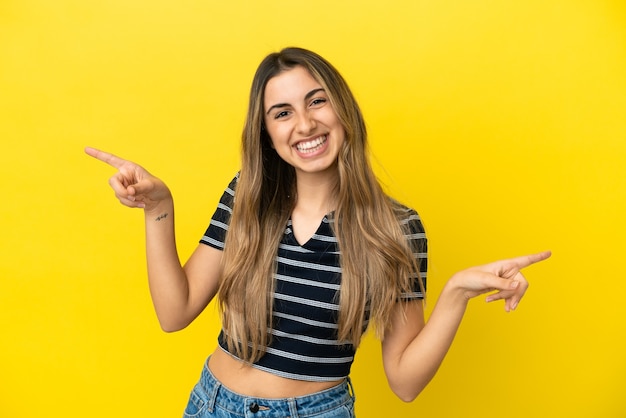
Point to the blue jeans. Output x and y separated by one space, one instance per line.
210 399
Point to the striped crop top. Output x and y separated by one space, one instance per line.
304 343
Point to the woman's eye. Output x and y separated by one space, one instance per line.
281 114
316 102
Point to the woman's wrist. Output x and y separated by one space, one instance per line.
163 210
454 292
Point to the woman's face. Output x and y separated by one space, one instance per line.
302 124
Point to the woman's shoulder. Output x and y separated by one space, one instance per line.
402 210
408 217
233 182
232 185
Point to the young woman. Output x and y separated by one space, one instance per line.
304 251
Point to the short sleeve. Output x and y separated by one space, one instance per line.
215 234
416 236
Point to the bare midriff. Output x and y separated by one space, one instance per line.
246 380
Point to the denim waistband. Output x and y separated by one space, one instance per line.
250 406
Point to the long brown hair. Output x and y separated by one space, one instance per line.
376 260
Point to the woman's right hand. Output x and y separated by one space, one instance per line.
133 185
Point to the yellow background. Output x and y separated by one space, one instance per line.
502 122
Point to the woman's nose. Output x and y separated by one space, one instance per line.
305 123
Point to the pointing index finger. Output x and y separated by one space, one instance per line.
527 260
105 157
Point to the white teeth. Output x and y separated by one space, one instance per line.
312 145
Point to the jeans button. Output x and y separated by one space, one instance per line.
254 407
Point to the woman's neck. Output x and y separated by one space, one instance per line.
316 192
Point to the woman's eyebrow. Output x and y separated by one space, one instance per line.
306 97
312 93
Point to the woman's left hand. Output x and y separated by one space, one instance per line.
504 277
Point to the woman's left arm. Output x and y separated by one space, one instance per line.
413 350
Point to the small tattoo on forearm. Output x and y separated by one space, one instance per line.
161 217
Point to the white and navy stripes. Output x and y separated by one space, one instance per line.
304 342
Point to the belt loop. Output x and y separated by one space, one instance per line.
351 388
213 395
293 408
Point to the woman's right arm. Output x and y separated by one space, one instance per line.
178 293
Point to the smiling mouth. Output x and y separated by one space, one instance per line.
308 147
